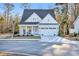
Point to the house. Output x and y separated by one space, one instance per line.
75 26
38 22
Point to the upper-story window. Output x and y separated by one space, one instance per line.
34 19
48 20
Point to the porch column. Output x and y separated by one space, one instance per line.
26 30
20 31
32 31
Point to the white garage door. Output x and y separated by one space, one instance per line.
48 31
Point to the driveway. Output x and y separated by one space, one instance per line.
34 47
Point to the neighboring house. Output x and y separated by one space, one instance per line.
75 26
38 22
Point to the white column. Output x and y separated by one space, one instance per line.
20 30
32 31
26 30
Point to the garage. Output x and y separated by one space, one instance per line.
48 30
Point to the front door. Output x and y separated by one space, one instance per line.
24 31
29 30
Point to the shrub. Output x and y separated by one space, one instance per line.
75 34
15 32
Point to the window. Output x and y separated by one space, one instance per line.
48 20
50 28
29 28
53 28
34 19
35 28
42 28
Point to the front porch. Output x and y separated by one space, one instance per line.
29 30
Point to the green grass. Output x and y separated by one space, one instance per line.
27 37
33 37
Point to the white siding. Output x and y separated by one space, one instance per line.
48 19
20 31
52 29
76 25
33 18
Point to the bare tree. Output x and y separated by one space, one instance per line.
1 24
26 5
64 18
8 8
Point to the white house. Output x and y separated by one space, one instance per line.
75 26
38 22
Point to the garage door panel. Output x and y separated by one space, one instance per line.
48 32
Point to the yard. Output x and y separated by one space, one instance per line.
27 37
9 36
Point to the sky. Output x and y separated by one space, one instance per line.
19 10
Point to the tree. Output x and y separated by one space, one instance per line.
76 9
8 8
58 15
26 5
1 24
63 18
16 22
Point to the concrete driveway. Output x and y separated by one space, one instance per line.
34 47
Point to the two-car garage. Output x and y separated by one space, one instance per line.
48 29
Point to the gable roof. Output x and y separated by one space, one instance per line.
40 12
47 20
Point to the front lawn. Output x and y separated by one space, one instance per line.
27 37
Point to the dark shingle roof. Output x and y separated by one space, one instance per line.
40 12
31 23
